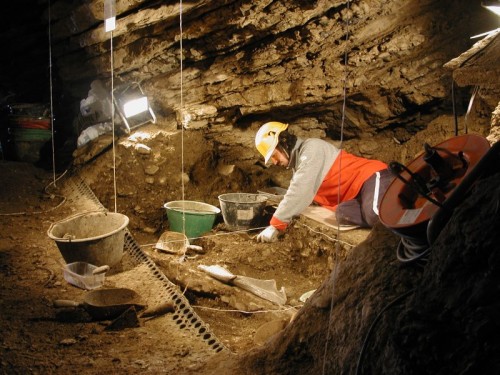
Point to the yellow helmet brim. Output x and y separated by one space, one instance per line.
267 138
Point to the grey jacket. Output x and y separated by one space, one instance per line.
310 160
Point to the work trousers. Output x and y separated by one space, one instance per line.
363 210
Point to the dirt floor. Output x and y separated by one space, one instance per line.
39 338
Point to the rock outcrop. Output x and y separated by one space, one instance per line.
245 62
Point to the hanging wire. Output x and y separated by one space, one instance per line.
113 119
337 247
181 102
469 108
372 326
453 104
182 127
51 101
248 231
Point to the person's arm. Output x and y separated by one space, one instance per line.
313 163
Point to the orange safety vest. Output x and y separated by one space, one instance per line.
353 172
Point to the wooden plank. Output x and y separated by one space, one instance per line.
319 214
326 217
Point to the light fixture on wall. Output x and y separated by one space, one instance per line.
492 6
133 105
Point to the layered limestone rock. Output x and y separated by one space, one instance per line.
479 67
245 62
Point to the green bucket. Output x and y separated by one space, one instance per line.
199 217
31 135
29 142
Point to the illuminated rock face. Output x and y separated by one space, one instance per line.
250 61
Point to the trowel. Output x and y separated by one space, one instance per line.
265 289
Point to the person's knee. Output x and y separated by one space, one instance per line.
371 219
346 217
343 219
370 216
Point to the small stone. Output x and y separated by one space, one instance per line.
225 169
67 342
183 351
151 169
142 149
185 177
142 364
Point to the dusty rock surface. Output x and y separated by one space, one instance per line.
437 319
38 338
275 60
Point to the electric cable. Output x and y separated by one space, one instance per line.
113 118
375 321
327 236
181 109
45 211
274 311
469 108
51 100
335 260
453 105
245 231
412 249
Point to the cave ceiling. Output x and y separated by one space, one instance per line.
245 61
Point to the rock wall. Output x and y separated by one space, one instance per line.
479 67
245 62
